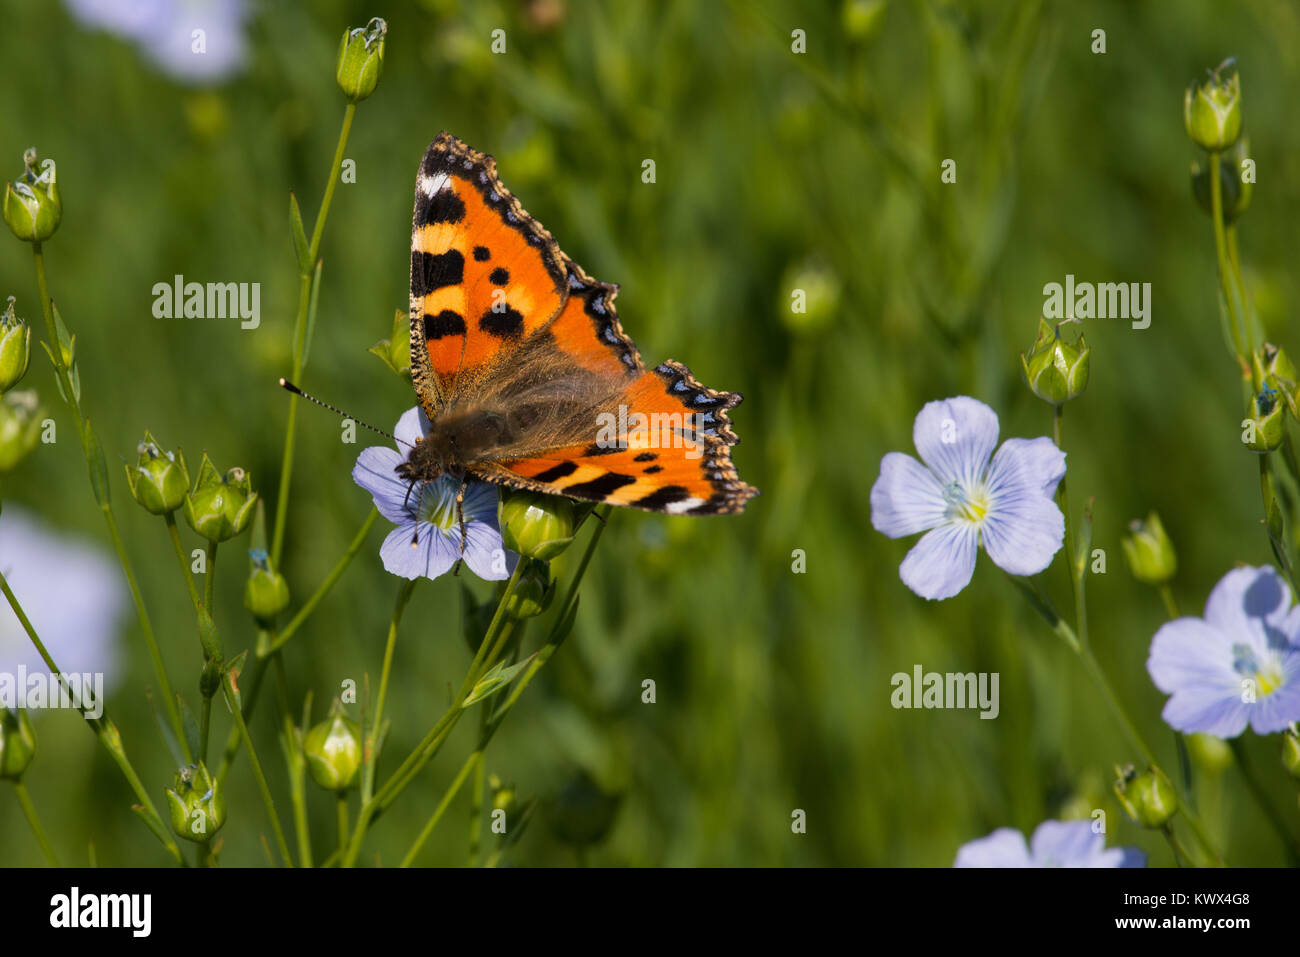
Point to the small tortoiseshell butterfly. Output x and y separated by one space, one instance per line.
525 373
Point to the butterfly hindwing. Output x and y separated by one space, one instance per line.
484 274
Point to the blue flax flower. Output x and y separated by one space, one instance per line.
1238 665
1055 844
962 499
426 541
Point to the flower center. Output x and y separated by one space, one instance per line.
437 504
967 506
1267 676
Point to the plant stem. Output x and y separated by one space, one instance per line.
174 533
29 811
343 819
371 751
1264 803
233 700
1239 334
300 336
103 729
210 579
331 579
1167 596
74 403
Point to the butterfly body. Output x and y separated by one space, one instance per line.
524 371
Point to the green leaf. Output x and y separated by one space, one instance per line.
192 736
233 669
495 680
168 736
311 313
98 467
300 246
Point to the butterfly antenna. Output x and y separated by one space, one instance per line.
289 386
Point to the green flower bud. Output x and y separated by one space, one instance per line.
583 812
1234 192
1291 752
1211 754
1265 424
1148 798
395 352
159 480
535 525
220 507
533 591
333 751
17 743
862 18
1150 553
196 804
361 59
20 426
1273 368
1212 109
809 298
1057 364
32 206
15 348
267 593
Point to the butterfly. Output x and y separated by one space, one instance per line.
525 373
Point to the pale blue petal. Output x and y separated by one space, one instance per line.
485 554
410 428
1005 847
1030 463
431 555
1244 594
1023 531
375 473
955 438
1070 844
1275 711
941 563
481 503
1189 653
1128 857
1199 709
906 498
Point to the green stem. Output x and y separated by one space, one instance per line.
29 811
300 336
174 533
74 403
210 579
343 819
1265 804
451 792
1167 596
477 792
1239 334
1180 853
294 764
1098 676
205 728
335 574
371 751
103 729
234 739
233 700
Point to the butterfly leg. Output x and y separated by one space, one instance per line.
460 517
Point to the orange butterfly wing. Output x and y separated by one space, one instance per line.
491 293
484 274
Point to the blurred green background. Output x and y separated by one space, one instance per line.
775 171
